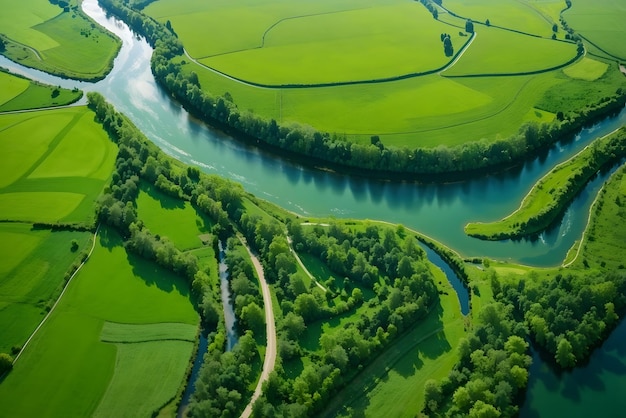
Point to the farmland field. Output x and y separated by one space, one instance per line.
44 36
17 93
113 287
600 22
309 53
58 167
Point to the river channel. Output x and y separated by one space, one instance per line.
438 210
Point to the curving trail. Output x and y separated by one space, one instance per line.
270 328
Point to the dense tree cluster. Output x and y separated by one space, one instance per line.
388 266
222 386
491 373
569 315
335 150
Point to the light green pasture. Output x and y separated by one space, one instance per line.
85 151
76 370
54 164
19 17
161 363
171 218
196 22
364 44
550 9
25 138
82 49
131 333
42 36
497 51
11 87
38 206
33 265
511 14
602 22
587 69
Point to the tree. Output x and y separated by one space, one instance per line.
306 306
487 22
294 325
3 45
469 26
254 317
432 394
555 28
6 363
448 49
564 356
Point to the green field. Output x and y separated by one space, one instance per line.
601 22
172 218
42 35
68 355
17 93
57 169
482 95
33 264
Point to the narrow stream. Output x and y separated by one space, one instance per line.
227 301
459 287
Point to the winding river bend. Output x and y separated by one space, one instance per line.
438 210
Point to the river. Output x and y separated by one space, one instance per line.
438 210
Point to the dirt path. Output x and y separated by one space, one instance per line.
270 327
306 270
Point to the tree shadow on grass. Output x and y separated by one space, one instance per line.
167 202
154 275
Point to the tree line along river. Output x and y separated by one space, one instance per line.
438 210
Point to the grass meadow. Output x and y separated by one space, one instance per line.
68 356
362 44
172 218
525 16
43 36
15 95
324 42
601 22
33 264
57 168
603 244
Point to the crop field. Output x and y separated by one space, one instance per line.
601 22
482 94
68 355
42 35
58 167
517 54
172 218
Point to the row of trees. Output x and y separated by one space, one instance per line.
334 150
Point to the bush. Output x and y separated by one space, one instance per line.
6 363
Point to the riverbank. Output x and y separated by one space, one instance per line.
553 193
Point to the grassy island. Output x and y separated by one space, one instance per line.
551 195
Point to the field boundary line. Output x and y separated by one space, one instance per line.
306 270
43 321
